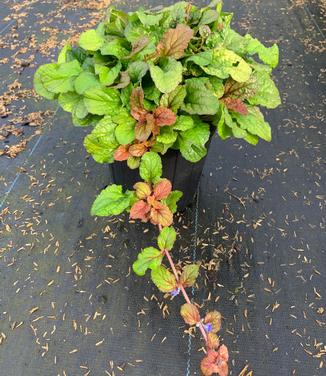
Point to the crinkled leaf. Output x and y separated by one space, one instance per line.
223 63
163 279
137 150
140 210
166 238
192 142
254 123
236 105
112 201
105 101
174 99
167 77
108 75
184 123
148 258
190 313
137 103
266 93
215 362
269 55
172 199
167 135
143 190
133 162
162 189
57 78
38 84
115 48
101 142
124 81
150 168
85 81
199 100
144 128
189 275
161 215
121 153
69 101
227 63
137 70
91 40
164 116
138 45
125 133
175 41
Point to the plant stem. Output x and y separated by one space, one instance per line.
184 292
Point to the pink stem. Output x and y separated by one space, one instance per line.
184 292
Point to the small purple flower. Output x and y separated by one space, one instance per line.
175 292
208 327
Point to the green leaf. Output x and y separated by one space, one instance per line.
167 135
112 201
133 162
222 129
137 70
209 16
192 142
64 53
237 131
163 279
172 199
86 121
167 77
183 123
223 63
189 275
101 142
148 258
269 55
174 99
90 40
166 238
103 101
115 48
72 102
125 133
85 81
108 75
200 100
38 84
254 123
227 63
152 93
57 78
266 93
149 19
150 168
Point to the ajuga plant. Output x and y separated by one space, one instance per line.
149 81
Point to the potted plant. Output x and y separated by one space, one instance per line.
154 86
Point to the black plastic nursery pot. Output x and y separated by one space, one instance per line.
184 175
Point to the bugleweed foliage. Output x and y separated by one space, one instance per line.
149 81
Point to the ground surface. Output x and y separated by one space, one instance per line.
68 302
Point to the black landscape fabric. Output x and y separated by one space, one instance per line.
70 304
